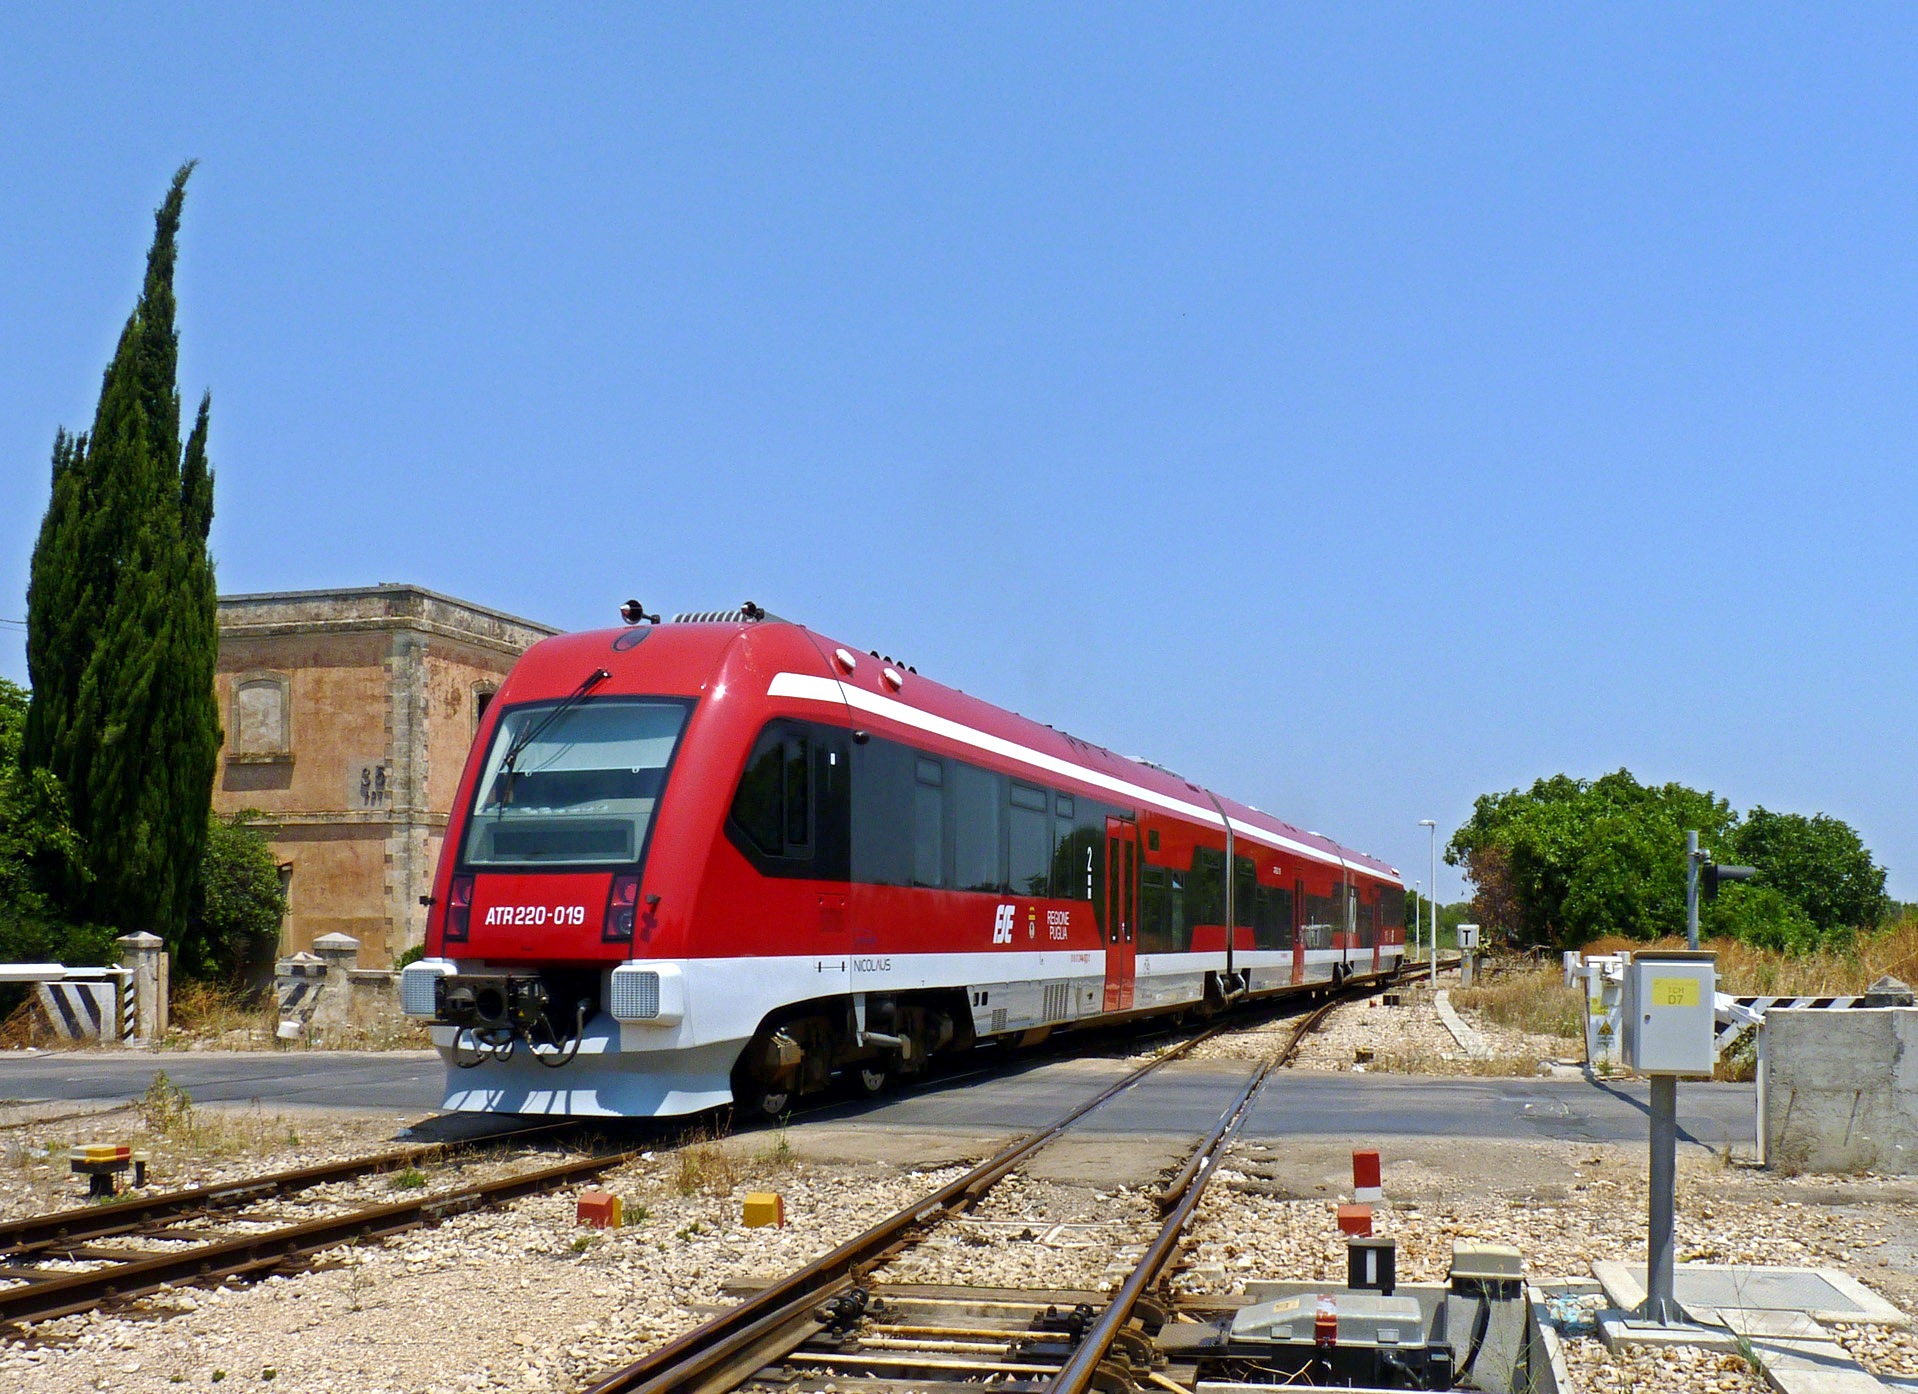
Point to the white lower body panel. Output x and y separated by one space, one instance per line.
644 1070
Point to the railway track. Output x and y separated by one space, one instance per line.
828 1324
145 1243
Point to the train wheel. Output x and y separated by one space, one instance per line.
871 1079
765 1101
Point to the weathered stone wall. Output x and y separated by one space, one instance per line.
1842 1089
348 716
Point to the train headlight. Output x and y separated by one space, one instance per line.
417 982
648 991
622 909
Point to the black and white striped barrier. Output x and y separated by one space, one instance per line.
80 1004
1737 1015
297 981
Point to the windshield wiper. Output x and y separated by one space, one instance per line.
508 770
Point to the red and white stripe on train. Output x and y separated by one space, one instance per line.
727 859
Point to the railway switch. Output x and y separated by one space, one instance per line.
1320 1338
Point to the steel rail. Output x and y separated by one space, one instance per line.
690 1361
1081 1368
1080 1371
48 1297
1201 1157
51 1230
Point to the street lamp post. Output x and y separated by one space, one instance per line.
1432 899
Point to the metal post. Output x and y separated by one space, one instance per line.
1691 889
1763 1113
1418 919
1431 898
1660 1306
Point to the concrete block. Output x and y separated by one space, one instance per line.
765 1208
1365 1176
1842 1089
600 1209
1621 1332
1813 1367
1355 1219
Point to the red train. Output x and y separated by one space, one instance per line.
728 859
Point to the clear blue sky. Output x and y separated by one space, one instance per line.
1356 408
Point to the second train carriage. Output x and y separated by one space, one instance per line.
729 859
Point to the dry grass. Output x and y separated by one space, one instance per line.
1745 971
222 1015
704 1165
225 1018
1418 1062
1533 1000
193 1135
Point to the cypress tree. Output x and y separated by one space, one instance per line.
121 617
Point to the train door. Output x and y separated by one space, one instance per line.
832 836
1122 908
1298 931
1373 912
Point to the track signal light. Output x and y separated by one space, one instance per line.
1713 873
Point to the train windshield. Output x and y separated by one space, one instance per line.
573 785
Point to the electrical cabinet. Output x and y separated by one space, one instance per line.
1668 1013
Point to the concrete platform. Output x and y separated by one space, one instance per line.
1707 1291
1770 1314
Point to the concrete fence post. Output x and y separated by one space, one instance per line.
339 952
144 956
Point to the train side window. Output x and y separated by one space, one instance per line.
1205 889
1245 891
1178 933
1152 924
882 813
977 864
831 804
1068 871
798 802
928 823
1029 840
772 808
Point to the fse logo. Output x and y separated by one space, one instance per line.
1002 924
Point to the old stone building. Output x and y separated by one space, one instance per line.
348 714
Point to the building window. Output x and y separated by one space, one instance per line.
260 723
482 699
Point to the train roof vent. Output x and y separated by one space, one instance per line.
748 613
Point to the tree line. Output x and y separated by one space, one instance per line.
107 764
1572 860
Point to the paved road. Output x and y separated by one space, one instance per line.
1184 1097
407 1080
